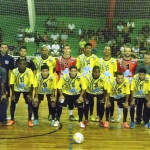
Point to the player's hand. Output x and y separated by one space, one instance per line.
132 104
80 99
53 99
3 96
108 104
102 100
148 104
61 97
125 105
35 102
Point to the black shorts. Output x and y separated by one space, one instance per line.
71 101
25 96
90 97
119 101
41 97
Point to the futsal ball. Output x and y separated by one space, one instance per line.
78 138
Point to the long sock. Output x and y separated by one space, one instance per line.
12 109
107 114
30 111
86 111
119 110
91 107
80 109
35 111
132 111
59 112
125 111
53 112
101 111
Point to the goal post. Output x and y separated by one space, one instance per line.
31 13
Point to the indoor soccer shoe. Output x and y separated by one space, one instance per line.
101 124
81 125
132 125
125 125
86 123
11 122
52 122
56 124
77 117
112 119
92 118
147 125
30 123
97 119
106 125
36 122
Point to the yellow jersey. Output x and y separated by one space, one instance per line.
22 81
45 86
116 90
108 67
50 61
71 86
139 87
85 64
96 86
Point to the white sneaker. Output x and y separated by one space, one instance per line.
56 124
81 125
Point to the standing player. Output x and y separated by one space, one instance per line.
21 81
63 64
127 65
140 88
44 84
108 66
30 64
3 104
118 89
45 59
85 64
71 88
96 87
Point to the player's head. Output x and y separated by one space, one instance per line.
107 51
127 51
4 48
147 58
44 70
119 77
22 64
66 49
96 72
73 71
88 48
44 50
142 73
23 51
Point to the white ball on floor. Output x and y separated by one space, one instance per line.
78 138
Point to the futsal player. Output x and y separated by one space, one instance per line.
96 87
85 64
21 81
118 89
140 92
71 88
44 84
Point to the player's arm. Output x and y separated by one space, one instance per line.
115 68
57 67
105 83
54 91
33 68
132 100
148 99
107 97
78 64
31 81
3 80
12 82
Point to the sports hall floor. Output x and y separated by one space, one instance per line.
20 136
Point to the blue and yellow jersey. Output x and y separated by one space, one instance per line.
139 87
118 90
45 86
22 81
50 61
85 64
71 86
108 67
96 86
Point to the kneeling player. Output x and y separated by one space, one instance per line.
96 87
71 88
44 84
118 89
21 81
